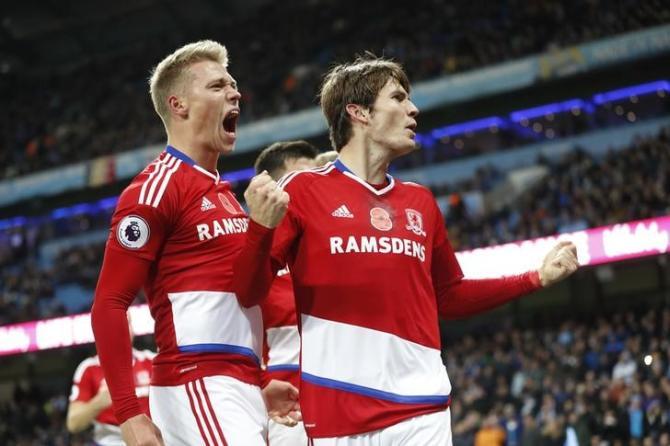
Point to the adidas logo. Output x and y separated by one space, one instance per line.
342 212
206 205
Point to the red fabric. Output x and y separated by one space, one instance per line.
459 298
117 287
176 229
89 377
253 268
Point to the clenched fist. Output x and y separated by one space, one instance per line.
267 202
559 263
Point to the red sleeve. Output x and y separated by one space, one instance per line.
121 277
83 385
265 252
459 298
137 235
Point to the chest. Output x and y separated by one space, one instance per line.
210 217
342 221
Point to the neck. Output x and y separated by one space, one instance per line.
367 161
202 155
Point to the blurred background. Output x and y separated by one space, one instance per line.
540 120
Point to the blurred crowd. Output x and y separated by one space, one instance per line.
101 106
33 417
578 192
602 381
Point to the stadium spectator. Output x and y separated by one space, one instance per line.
54 124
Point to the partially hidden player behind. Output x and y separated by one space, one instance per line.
372 270
91 404
281 346
176 230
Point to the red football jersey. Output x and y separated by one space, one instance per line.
372 268
281 346
88 378
361 259
187 222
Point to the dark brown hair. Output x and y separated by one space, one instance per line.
358 82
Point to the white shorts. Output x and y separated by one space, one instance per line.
433 429
210 411
281 435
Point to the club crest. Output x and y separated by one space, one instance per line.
415 222
380 219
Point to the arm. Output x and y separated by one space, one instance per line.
121 277
80 414
254 268
117 287
459 298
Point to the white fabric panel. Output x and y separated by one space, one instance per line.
215 317
284 345
371 358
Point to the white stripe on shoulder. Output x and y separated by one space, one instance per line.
157 165
166 180
157 179
85 364
289 177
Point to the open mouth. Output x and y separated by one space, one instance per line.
230 121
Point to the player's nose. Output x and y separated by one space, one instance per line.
234 95
413 110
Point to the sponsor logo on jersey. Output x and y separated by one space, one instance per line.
132 232
342 212
380 219
380 245
224 226
415 222
228 205
206 205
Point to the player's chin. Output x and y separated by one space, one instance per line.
226 144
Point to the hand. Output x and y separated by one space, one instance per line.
267 202
559 263
281 401
102 400
140 431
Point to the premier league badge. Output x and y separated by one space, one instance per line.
414 222
132 232
380 219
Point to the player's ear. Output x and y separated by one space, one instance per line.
178 106
357 113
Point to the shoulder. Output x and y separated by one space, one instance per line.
416 189
156 184
84 366
303 178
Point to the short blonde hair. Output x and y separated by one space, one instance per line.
169 75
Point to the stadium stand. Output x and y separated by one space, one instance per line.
593 373
56 124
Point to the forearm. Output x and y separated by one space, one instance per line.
469 297
81 414
117 287
253 269
112 341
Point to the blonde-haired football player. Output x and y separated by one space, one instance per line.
176 231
